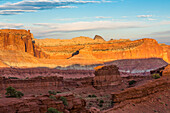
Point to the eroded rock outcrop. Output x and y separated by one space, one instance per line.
146 98
98 38
20 40
106 76
166 71
40 104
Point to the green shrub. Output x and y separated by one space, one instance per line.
52 110
156 75
52 97
101 101
100 105
13 78
93 95
19 94
58 92
89 95
52 92
11 92
64 100
132 82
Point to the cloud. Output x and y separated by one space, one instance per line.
102 17
151 19
53 28
82 18
11 25
162 33
144 16
13 12
34 5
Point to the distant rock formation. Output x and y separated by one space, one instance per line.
27 51
97 37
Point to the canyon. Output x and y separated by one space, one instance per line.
93 75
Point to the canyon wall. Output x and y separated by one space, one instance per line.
20 40
20 49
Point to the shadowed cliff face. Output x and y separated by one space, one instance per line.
20 40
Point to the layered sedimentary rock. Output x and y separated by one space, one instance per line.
19 40
40 104
139 67
29 52
150 97
22 73
107 76
142 91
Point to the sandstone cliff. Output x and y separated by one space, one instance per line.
19 40
29 52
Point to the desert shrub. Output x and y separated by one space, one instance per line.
93 95
52 97
13 78
11 92
64 100
19 94
89 95
156 75
101 101
52 92
132 82
100 105
58 92
52 110
90 104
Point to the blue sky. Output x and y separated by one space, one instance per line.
65 19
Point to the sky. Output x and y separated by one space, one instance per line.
66 19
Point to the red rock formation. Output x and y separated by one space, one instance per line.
142 97
40 104
142 91
166 71
19 40
106 76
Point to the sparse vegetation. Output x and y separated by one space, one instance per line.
52 110
132 82
92 96
156 75
101 101
13 78
52 92
11 92
52 97
64 101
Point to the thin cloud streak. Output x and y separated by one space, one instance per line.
35 5
144 16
